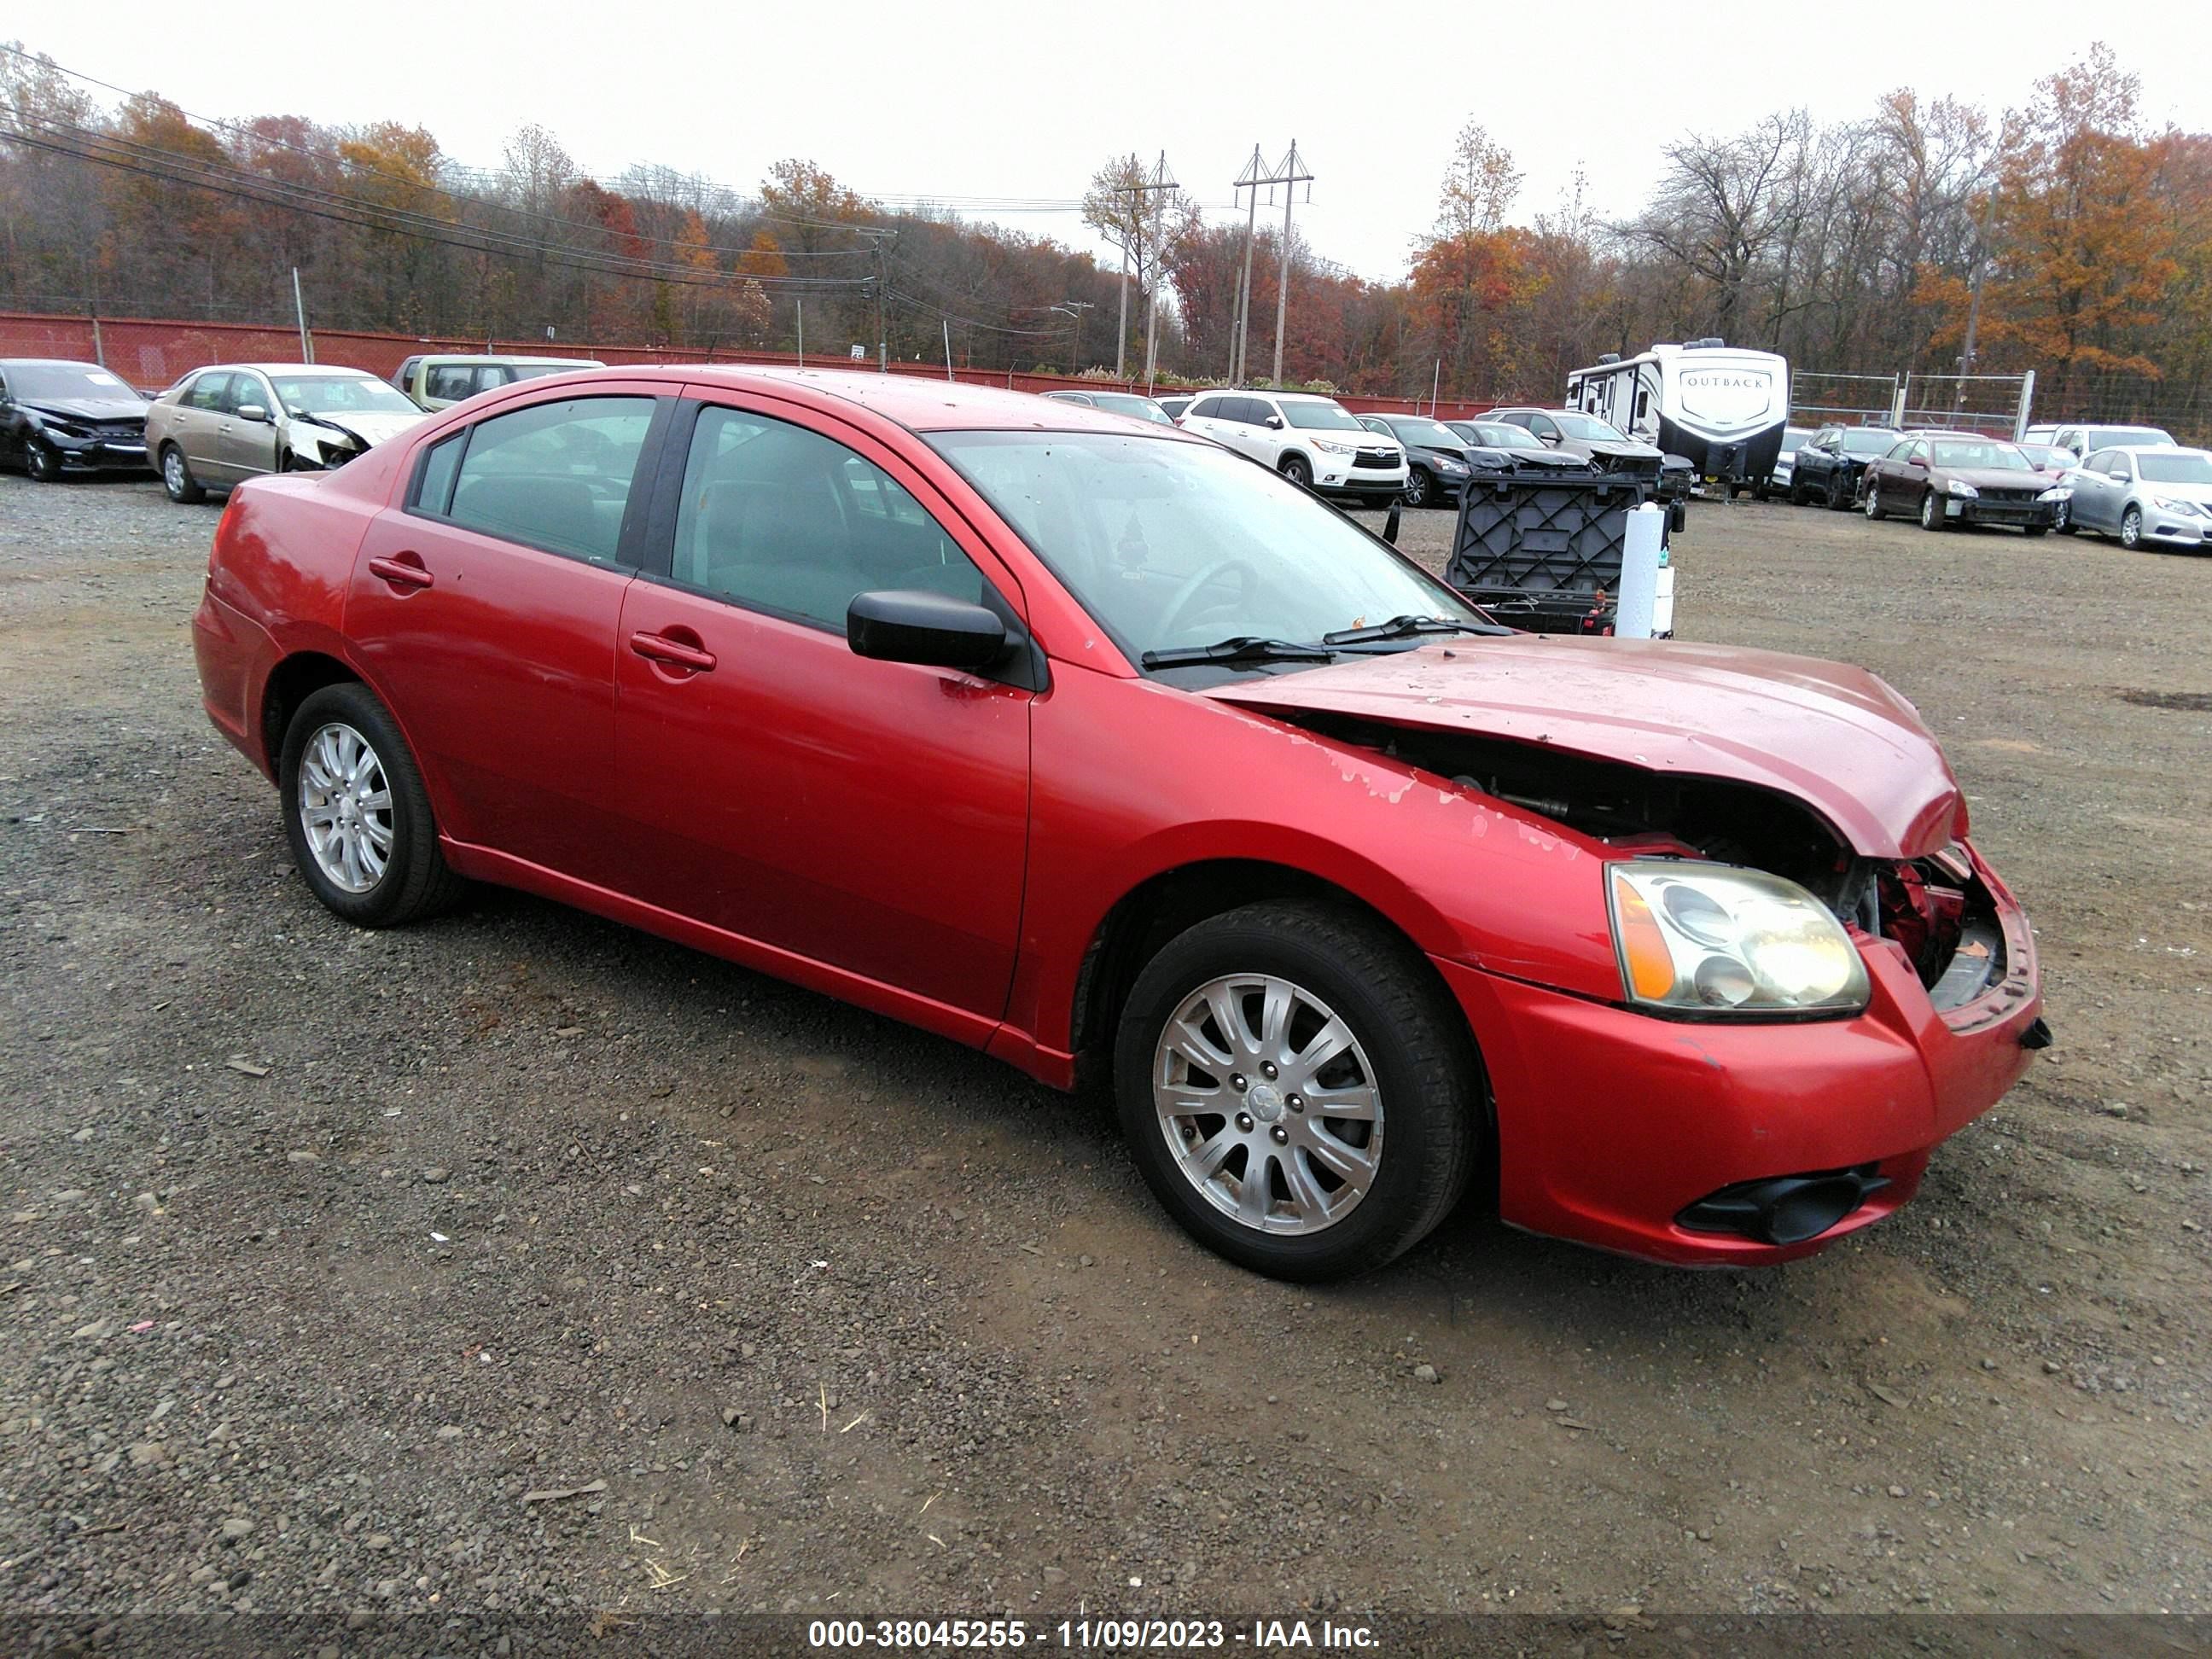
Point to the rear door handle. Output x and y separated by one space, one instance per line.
658 647
401 573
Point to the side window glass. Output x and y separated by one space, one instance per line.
434 493
248 389
1207 408
556 475
1543 427
210 392
780 518
452 381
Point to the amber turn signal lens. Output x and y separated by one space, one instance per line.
1645 955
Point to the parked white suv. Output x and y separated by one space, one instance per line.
1311 440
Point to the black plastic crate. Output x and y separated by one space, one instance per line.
1540 548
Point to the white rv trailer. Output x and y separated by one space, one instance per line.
1721 408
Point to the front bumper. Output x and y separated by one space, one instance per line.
1612 1123
1973 509
98 454
2171 530
1334 475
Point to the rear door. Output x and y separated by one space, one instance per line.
872 816
484 607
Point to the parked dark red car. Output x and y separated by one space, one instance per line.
1096 746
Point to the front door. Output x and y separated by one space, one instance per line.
872 816
484 609
200 413
246 449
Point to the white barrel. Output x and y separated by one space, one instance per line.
1640 553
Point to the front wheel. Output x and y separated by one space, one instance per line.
1797 497
1295 469
2031 531
2132 528
1419 487
1931 511
1297 1090
357 813
1874 499
1840 494
41 462
177 477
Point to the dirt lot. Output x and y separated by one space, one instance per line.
328 1254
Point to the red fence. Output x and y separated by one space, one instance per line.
152 354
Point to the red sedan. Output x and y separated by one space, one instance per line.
1094 745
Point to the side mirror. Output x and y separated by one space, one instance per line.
1275 423
1549 440
929 628
253 412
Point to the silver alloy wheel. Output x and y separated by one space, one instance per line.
40 462
173 470
2131 527
345 807
1873 500
1269 1104
1416 488
1930 513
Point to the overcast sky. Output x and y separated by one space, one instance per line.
1000 101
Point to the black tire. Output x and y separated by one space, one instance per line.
1797 495
414 882
41 461
1764 493
1931 511
1295 469
177 477
1419 486
1839 493
2031 531
1426 1072
2132 528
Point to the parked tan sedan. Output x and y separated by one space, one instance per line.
218 427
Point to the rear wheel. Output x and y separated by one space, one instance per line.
357 815
41 462
1295 469
1298 1090
1931 511
177 477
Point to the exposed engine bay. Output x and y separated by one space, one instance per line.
1935 908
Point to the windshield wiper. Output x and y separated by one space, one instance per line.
1243 647
1399 628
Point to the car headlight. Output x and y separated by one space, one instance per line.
1330 447
1446 464
2187 509
2056 493
1720 939
1960 486
58 426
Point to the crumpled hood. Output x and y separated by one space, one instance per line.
1997 477
371 428
89 409
1833 736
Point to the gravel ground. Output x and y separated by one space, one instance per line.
518 1263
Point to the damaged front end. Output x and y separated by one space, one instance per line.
1937 909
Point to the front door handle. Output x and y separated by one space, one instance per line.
402 571
658 647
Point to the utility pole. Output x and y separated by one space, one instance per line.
1289 177
1160 184
1240 324
1974 305
1074 308
1160 180
300 309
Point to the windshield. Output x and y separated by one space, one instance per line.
37 380
1496 434
339 394
1320 418
1582 427
2181 467
1125 403
1435 434
1174 545
1869 440
2000 457
1795 436
2046 456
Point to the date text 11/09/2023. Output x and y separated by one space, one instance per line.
1090 1635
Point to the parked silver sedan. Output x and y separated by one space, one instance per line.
2147 496
220 426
